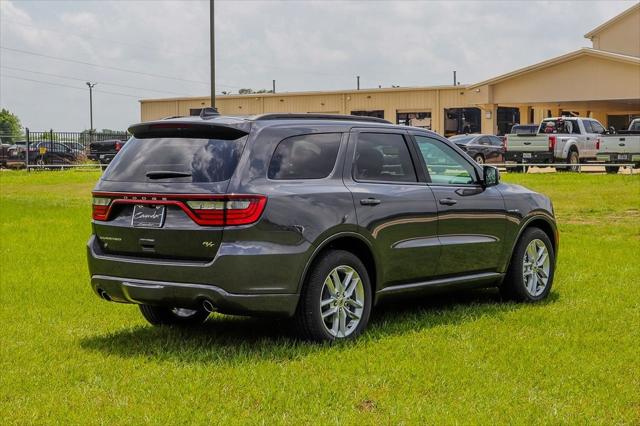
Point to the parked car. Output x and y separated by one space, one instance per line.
620 147
44 153
569 140
482 148
4 154
525 129
105 151
311 216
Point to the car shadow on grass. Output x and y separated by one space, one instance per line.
237 340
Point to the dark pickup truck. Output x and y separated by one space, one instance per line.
104 151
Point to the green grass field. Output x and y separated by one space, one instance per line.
69 357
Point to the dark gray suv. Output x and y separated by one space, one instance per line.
316 217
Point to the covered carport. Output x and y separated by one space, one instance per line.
587 82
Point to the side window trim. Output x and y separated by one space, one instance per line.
409 143
476 177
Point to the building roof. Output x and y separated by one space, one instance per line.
311 93
612 21
585 51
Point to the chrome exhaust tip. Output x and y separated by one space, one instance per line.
208 306
103 294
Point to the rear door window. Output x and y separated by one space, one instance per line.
174 159
383 157
305 157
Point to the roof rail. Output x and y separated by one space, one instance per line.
280 116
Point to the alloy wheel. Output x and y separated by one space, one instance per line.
536 267
342 301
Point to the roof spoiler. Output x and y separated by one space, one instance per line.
186 129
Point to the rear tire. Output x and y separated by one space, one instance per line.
573 161
530 274
336 299
612 169
160 315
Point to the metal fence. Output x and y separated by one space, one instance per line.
50 149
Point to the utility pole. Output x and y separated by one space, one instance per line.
213 55
358 82
455 80
274 87
91 86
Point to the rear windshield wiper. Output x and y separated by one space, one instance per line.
166 174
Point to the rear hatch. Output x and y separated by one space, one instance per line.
165 195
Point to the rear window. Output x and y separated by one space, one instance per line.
463 140
305 156
524 130
171 159
560 126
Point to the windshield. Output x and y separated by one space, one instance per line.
171 159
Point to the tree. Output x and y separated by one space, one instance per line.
250 91
10 127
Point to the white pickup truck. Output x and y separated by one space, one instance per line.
621 147
569 140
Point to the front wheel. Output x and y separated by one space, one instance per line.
336 300
530 274
573 160
160 315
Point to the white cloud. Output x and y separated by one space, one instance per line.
303 45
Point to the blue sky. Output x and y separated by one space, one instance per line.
303 45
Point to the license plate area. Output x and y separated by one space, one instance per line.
526 155
147 216
623 157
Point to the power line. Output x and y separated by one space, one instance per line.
85 79
75 61
83 36
68 86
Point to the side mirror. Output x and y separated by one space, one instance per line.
491 176
612 130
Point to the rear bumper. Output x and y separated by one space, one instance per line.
237 281
619 158
188 295
103 158
536 157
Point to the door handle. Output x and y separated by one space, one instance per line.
369 202
448 202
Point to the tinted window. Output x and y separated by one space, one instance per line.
199 160
597 128
305 157
383 157
462 140
485 141
587 126
524 130
443 163
495 141
560 126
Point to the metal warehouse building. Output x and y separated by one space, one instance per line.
602 82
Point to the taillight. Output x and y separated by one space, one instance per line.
552 143
101 207
215 210
118 146
504 142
